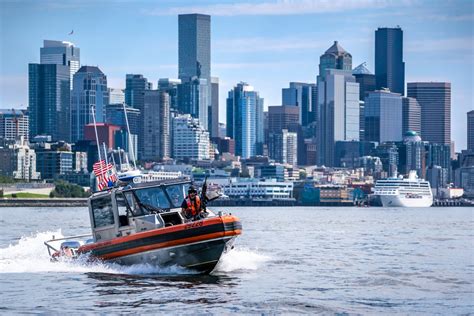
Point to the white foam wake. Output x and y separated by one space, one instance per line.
241 259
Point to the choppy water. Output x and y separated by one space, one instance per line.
288 260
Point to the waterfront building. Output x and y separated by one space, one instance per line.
283 147
53 160
365 79
304 96
135 87
464 176
213 115
14 123
49 99
18 160
338 118
383 116
171 87
190 140
255 189
194 99
389 156
225 145
245 120
89 93
116 95
346 152
156 113
437 177
435 102
411 115
389 64
335 57
470 130
61 53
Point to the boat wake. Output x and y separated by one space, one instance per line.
29 255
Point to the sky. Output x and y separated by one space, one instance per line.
264 43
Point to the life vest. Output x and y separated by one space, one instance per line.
195 207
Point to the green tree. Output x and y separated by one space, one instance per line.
68 190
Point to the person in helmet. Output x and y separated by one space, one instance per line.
191 205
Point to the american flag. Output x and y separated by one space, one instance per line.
105 174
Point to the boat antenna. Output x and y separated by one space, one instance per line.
129 135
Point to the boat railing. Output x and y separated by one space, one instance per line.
51 247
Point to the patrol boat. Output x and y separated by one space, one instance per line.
142 223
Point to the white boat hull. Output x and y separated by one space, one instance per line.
404 201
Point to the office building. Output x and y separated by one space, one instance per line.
283 147
389 64
105 134
383 117
338 118
156 113
435 102
365 79
303 96
411 115
18 160
389 156
470 130
116 96
61 53
53 160
283 117
171 87
412 153
213 115
14 124
115 115
194 99
89 93
190 140
245 120
334 58
49 99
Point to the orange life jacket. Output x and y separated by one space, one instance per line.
195 207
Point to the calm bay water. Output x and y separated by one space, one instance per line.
288 260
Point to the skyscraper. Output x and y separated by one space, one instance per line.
470 130
334 58
435 102
190 140
135 86
283 147
213 116
61 53
365 79
156 125
89 90
383 116
171 87
411 115
303 96
338 117
389 65
193 99
49 98
245 120
14 123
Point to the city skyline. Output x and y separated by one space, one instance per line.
267 46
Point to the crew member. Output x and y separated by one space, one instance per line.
191 205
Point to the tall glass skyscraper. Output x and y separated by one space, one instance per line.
245 120
61 53
89 89
302 95
335 57
389 65
49 100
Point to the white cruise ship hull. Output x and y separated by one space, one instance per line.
404 201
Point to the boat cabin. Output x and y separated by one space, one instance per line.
136 208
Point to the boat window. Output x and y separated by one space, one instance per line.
154 197
123 210
102 211
177 193
135 209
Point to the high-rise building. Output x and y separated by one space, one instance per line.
213 115
470 130
435 102
245 120
412 154
171 87
14 124
18 160
411 115
116 96
61 53
365 79
135 86
303 95
283 117
389 64
338 117
383 117
116 116
193 99
156 113
190 140
283 147
49 98
334 58
89 92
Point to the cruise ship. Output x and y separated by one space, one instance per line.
408 192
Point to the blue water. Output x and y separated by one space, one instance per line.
288 260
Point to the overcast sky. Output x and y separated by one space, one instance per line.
265 43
